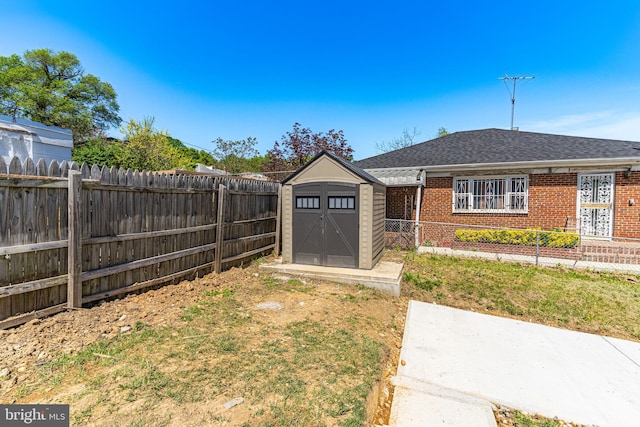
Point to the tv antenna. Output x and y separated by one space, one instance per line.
515 79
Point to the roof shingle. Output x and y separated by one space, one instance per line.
490 146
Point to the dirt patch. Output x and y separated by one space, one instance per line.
265 308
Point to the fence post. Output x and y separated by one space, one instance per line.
74 283
537 246
220 228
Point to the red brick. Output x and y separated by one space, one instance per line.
552 204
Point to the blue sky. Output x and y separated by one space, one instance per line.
214 69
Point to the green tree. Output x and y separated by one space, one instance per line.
193 155
100 151
234 156
52 88
257 163
298 146
147 148
442 131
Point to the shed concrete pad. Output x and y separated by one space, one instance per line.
385 276
578 377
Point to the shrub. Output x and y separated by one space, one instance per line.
551 239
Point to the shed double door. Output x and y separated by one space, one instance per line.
325 224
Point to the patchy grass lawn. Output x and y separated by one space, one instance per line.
300 353
594 302
309 374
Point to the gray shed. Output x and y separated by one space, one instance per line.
332 215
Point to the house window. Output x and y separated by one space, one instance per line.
509 194
312 202
342 202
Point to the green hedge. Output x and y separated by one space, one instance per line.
551 239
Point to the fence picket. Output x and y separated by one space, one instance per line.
105 177
95 226
15 167
15 237
84 170
220 228
5 303
4 208
41 168
64 169
57 230
29 168
74 284
42 258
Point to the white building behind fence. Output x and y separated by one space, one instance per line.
26 139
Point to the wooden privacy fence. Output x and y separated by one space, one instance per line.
71 235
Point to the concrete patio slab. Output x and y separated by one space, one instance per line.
416 403
385 276
578 377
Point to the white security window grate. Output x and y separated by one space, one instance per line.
505 194
461 194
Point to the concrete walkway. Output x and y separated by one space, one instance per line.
454 362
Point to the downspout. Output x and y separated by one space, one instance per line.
416 226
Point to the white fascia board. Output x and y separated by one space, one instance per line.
572 163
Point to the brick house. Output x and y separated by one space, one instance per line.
514 179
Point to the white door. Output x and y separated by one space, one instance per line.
595 204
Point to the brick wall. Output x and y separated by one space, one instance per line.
627 218
552 204
400 202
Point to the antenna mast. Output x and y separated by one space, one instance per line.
513 92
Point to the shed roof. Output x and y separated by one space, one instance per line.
366 176
499 146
